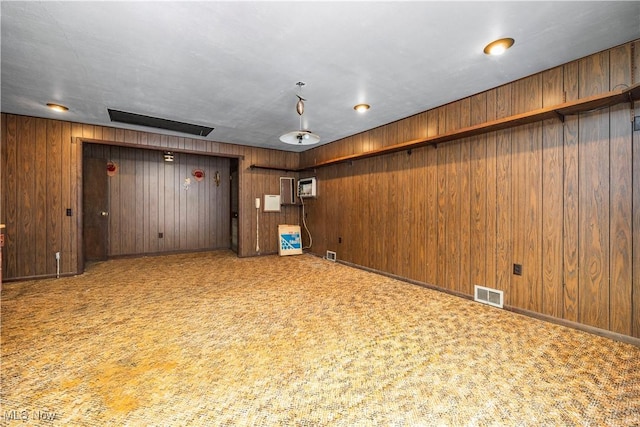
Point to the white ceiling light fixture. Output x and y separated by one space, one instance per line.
302 136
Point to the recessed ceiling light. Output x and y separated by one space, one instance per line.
57 107
498 47
361 108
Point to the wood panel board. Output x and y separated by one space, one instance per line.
571 201
10 195
594 244
621 197
55 212
593 183
44 261
25 187
504 196
552 219
635 309
620 222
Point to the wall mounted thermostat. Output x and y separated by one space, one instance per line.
307 187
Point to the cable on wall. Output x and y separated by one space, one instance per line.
304 222
258 225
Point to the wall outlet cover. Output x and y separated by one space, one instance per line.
517 269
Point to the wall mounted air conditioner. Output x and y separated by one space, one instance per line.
307 187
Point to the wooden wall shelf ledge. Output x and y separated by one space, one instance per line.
583 105
274 168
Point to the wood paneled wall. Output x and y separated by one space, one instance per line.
41 177
560 198
147 197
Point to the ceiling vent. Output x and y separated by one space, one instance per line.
155 122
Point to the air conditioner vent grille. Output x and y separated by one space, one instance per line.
489 296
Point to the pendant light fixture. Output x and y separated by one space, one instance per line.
302 136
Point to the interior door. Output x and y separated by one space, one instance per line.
235 185
95 202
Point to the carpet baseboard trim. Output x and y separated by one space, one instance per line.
544 317
36 277
579 326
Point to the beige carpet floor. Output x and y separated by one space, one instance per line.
209 339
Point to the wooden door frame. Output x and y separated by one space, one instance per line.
234 166
79 202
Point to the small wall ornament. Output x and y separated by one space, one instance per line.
187 183
112 168
198 174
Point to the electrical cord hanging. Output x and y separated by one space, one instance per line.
304 222
257 228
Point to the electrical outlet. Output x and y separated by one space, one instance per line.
69 212
160 235
339 239
517 269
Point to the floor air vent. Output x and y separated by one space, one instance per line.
489 296
158 123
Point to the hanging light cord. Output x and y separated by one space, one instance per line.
300 105
300 116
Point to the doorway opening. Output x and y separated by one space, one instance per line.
135 203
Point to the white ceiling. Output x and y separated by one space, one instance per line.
234 65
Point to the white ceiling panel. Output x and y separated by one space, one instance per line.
234 65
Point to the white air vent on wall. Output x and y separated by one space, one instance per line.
489 296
